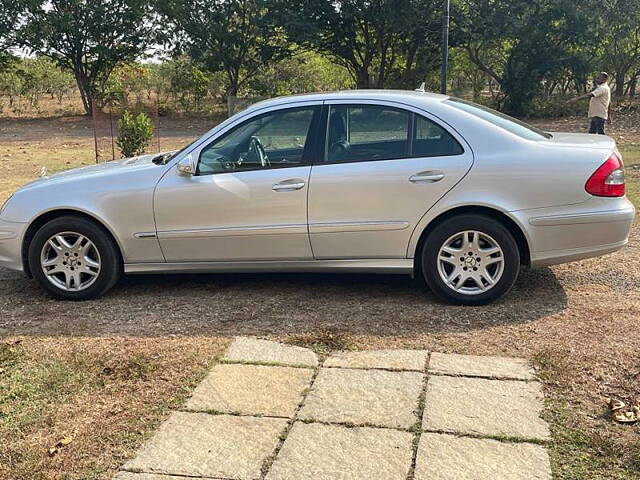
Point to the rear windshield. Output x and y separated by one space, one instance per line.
501 120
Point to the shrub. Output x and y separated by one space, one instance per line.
134 134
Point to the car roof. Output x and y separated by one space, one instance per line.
402 96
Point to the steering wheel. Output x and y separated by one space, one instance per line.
256 144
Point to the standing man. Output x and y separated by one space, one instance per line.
599 105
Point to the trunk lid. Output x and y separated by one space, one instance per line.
582 140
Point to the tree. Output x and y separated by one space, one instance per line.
521 43
90 38
302 73
235 36
9 11
380 42
618 29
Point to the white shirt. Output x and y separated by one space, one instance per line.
600 100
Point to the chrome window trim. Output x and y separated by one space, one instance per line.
315 116
231 122
412 109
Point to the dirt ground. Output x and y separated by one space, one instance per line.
578 322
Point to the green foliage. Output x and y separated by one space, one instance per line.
32 78
303 73
235 37
188 83
134 134
129 81
89 38
381 43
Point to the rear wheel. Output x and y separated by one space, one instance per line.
470 260
74 259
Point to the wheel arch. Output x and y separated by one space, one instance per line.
509 223
45 217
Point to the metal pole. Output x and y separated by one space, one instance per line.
445 47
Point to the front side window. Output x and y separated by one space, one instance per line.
272 140
431 140
366 132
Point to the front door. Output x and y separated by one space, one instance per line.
248 198
383 168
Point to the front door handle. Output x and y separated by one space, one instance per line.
426 177
288 185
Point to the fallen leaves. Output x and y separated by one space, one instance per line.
63 442
622 413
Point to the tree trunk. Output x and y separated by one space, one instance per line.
362 78
85 90
619 91
633 85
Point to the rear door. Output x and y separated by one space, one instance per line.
383 167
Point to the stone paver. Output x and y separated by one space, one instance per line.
251 389
145 476
476 366
484 407
253 350
364 397
386 359
327 452
199 444
352 419
446 457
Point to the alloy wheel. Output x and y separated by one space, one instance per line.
470 262
70 261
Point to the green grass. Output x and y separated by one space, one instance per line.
581 449
579 453
27 391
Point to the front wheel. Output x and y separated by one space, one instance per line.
74 259
470 260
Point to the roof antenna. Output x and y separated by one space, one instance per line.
420 88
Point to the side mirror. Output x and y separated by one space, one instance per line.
186 167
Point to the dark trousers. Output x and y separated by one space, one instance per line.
597 125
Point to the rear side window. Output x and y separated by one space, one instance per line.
431 140
367 132
510 124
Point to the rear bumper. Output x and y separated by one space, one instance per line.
566 234
11 235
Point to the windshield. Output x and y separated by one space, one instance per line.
501 120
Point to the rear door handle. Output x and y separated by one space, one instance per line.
288 185
426 177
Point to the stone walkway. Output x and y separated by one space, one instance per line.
274 412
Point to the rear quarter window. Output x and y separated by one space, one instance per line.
431 140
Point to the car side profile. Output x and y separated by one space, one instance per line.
355 181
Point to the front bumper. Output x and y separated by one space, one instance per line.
11 235
575 232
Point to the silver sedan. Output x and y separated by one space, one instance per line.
357 181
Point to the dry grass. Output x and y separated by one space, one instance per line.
105 395
61 143
577 322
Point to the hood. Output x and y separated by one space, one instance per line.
584 140
122 165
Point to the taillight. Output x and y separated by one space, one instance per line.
608 179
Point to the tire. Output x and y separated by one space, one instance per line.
85 271
458 277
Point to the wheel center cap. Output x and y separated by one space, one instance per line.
73 262
470 262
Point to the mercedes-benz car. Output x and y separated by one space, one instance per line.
386 181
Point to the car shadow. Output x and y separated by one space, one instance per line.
269 304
